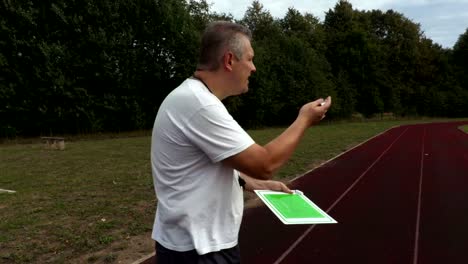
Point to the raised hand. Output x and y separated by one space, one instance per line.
315 111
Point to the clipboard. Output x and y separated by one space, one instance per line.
294 208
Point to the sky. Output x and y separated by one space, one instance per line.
443 21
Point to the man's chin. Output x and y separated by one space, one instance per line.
242 91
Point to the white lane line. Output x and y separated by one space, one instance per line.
418 215
6 191
286 253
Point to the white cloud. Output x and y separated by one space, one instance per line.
276 8
236 8
461 14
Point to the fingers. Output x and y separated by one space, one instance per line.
276 186
318 102
326 103
284 188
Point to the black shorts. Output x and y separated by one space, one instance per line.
225 256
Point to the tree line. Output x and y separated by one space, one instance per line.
92 66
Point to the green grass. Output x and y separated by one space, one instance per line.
99 191
74 201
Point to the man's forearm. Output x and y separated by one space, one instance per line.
281 148
262 161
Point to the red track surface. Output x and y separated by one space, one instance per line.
401 197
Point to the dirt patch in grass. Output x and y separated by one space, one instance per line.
136 247
124 251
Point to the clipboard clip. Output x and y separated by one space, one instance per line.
297 192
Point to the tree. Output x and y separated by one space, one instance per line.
342 54
460 59
103 65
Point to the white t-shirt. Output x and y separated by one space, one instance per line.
200 202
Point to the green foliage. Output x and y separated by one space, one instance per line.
102 65
290 71
460 60
81 67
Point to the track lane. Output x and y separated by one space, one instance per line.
376 220
444 211
263 238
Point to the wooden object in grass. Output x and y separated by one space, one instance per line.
54 142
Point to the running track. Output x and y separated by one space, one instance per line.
401 197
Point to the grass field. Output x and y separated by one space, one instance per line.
94 201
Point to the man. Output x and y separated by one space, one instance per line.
200 156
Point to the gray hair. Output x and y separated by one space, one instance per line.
218 37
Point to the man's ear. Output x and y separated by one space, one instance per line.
228 59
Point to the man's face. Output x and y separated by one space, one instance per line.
243 67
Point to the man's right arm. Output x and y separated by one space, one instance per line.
261 162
